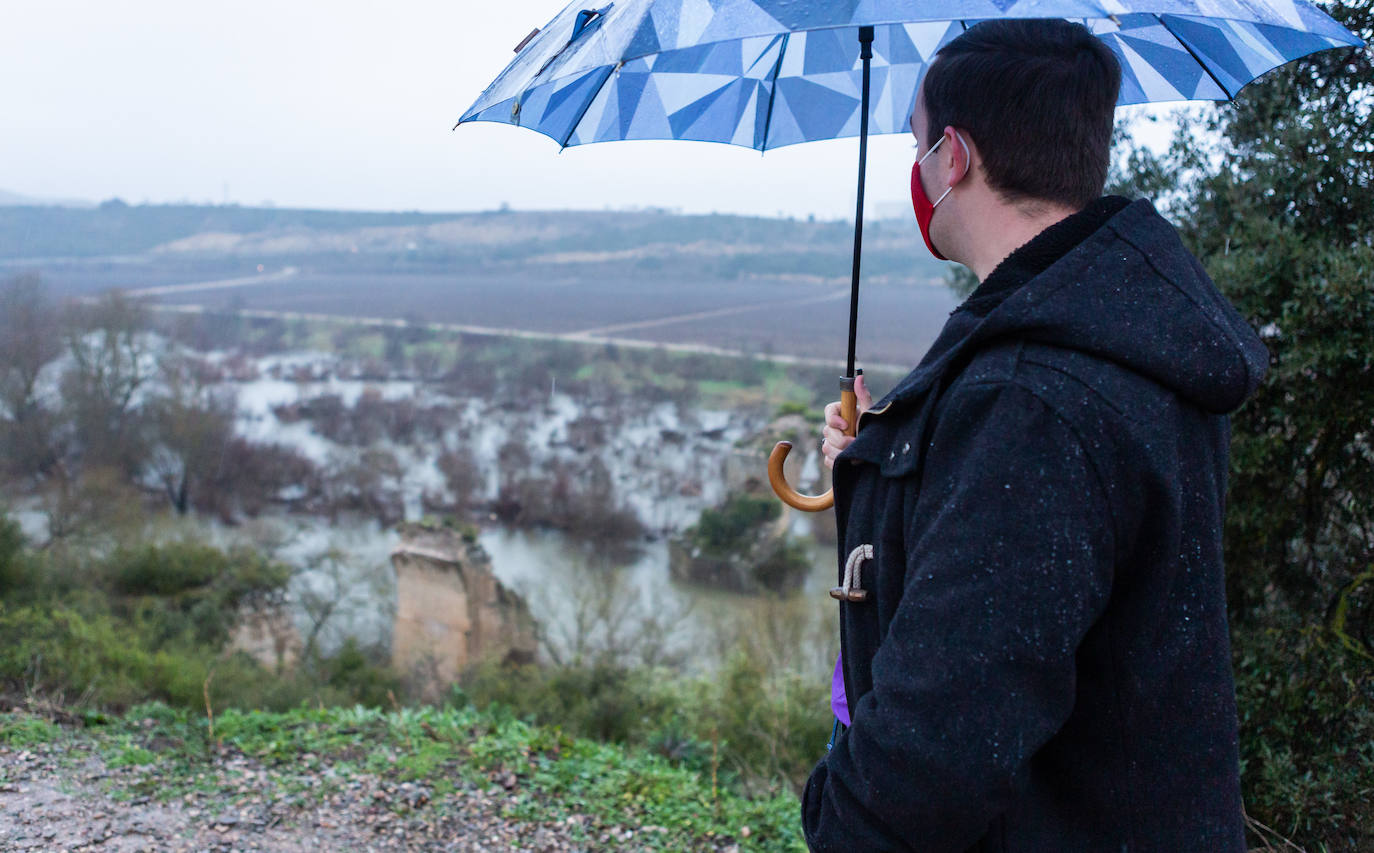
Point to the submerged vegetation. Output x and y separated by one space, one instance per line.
741 546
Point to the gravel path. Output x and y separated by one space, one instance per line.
65 797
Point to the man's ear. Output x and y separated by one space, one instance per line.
960 152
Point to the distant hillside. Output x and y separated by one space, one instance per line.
716 245
116 228
8 198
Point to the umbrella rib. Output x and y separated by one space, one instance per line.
773 92
591 99
1183 44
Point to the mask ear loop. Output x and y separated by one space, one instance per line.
968 162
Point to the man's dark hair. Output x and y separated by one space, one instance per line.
1038 98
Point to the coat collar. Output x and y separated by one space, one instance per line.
1019 280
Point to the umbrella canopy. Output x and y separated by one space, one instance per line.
768 73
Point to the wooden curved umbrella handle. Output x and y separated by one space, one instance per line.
790 496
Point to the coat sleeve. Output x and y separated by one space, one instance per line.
1008 564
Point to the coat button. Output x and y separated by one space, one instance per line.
906 448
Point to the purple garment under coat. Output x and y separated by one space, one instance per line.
839 703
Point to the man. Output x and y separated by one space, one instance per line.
1039 660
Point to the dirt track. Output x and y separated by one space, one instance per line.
64 797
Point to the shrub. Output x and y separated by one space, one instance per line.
1296 685
575 497
723 531
82 659
14 567
763 729
1290 242
165 571
773 725
187 589
782 567
733 547
353 673
602 700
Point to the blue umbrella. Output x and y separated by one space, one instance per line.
769 73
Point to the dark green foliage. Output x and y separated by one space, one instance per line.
1307 730
355 673
147 622
600 700
759 727
61 652
85 658
152 623
732 527
737 546
1287 229
772 725
1282 216
190 588
153 570
14 564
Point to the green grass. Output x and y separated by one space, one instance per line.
170 753
22 730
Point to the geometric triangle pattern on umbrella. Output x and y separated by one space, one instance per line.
681 69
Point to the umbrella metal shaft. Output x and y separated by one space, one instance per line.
866 55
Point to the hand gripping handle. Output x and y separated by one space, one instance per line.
849 406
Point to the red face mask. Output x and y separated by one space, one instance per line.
924 207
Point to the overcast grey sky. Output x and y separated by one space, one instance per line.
347 104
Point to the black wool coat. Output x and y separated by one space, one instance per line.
1042 662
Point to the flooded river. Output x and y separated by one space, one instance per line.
666 463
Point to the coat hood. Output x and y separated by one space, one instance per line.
1131 294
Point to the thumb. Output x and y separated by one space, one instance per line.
864 399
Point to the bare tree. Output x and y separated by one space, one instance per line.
88 506
193 424
322 596
607 620
30 339
112 360
333 592
462 474
369 482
